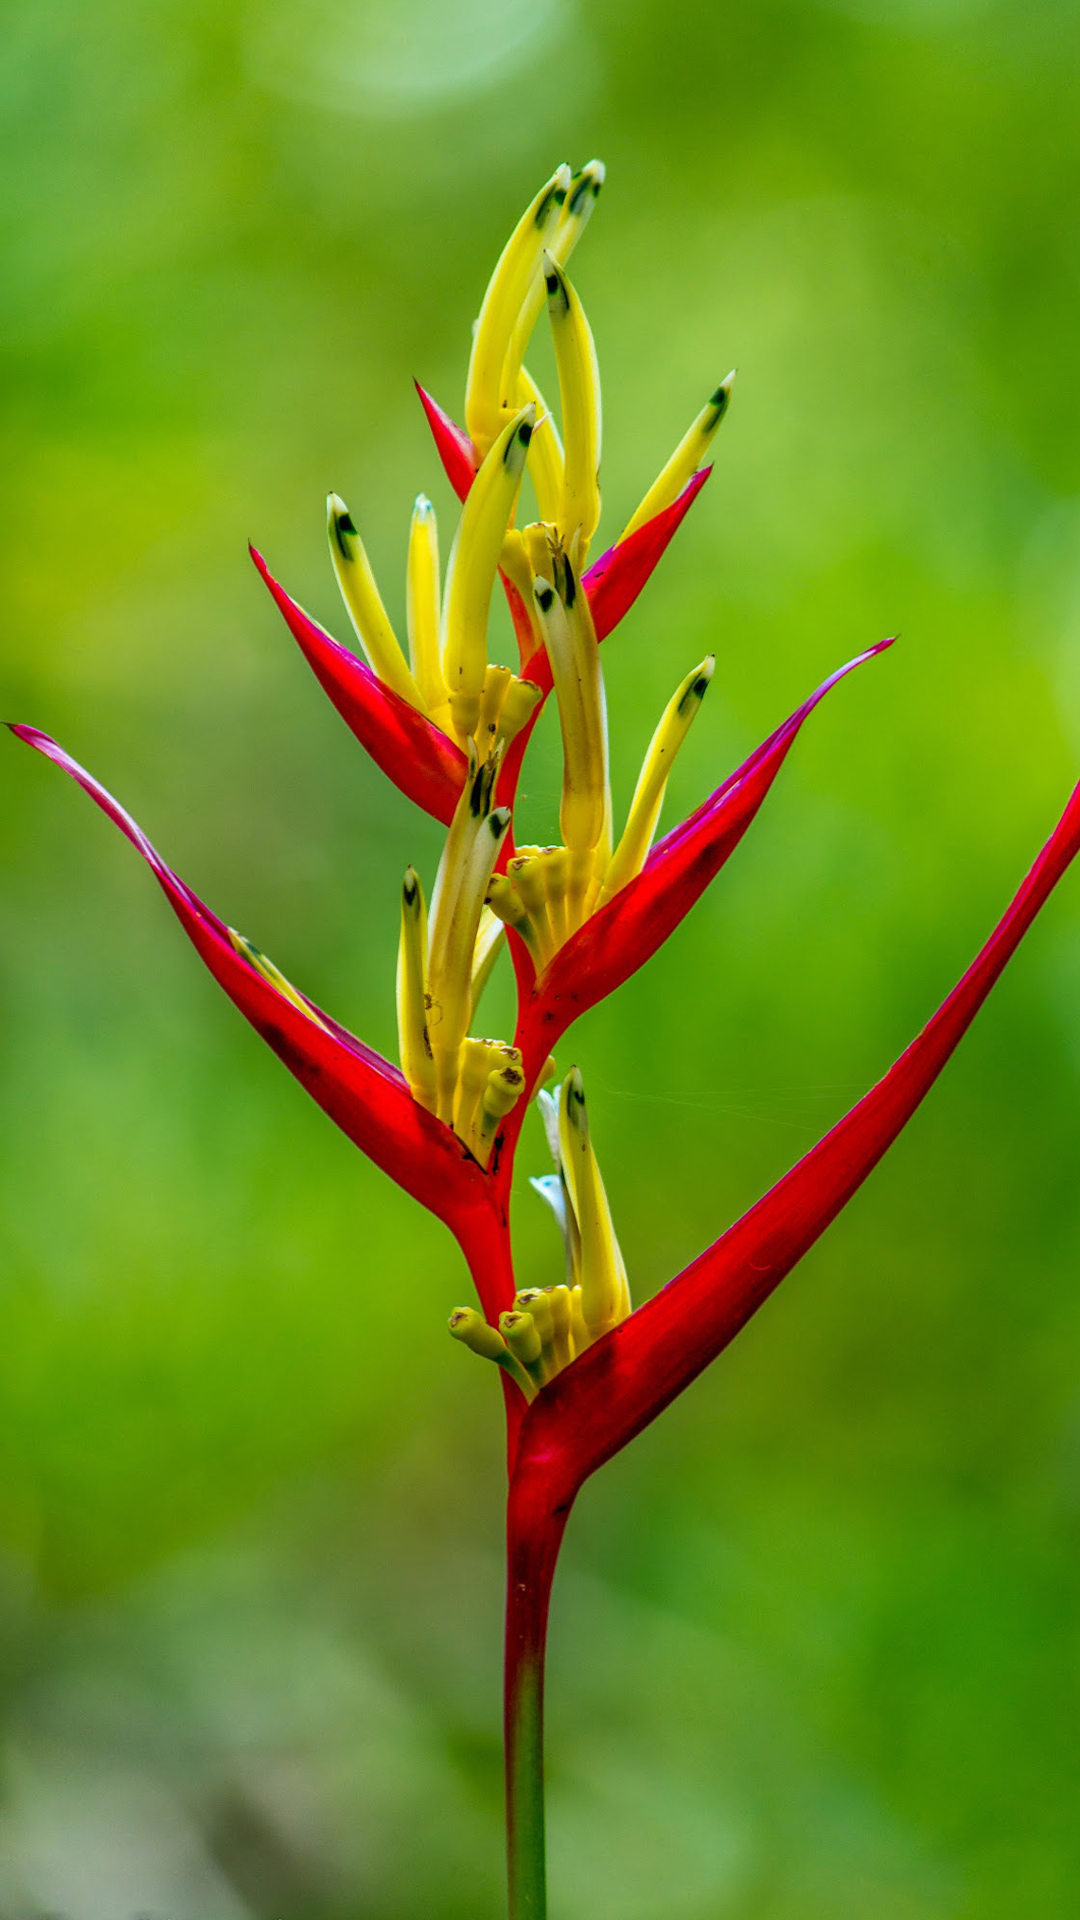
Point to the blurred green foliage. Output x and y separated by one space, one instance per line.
814 1642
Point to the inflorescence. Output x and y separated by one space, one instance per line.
484 883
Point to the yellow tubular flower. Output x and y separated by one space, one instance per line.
677 719
413 1041
521 701
472 844
505 1086
580 1336
521 1336
560 1325
555 867
422 604
496 682
363 602
546 467
474 562
505 901
273 976
585 813
604 1292
526 873
574 216
486 400
579 392
537 1304
472 1080
686 459
473 1331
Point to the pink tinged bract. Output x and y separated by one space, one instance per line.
599 1403
417 756
629 929
366 1096
613 582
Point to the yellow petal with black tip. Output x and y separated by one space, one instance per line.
688 456
363 603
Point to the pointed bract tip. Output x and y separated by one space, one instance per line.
422 506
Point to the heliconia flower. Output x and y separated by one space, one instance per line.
582 1371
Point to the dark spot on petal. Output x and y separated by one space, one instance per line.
343 524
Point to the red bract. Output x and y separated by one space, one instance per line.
625 933
452 443
618 1386
417 756
613 582
363 1093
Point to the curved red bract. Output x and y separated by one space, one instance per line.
418 757
618 1386
364 1094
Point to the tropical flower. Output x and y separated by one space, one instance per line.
583 1371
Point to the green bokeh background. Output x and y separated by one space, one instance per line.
815 1639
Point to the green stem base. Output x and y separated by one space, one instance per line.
534 1534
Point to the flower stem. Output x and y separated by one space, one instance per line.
534 1533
